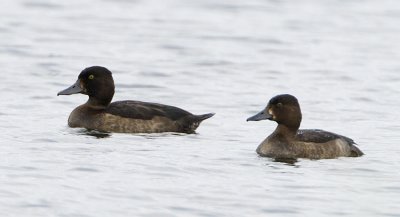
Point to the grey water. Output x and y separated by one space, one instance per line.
341 59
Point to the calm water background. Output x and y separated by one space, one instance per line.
340 58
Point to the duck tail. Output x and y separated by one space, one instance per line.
200 118
355 151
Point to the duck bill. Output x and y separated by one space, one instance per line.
74 89
260 116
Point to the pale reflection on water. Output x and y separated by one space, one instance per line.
340 58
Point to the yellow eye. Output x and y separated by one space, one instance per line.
91 77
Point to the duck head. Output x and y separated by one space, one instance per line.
97 83
283 109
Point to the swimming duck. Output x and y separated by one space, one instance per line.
99 113
288 142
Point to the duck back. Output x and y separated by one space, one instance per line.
136 117
312 144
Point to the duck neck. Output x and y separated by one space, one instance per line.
101 98
95 103
285 131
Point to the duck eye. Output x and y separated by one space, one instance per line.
279 105
91 77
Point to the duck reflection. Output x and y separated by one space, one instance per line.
287 161
94 133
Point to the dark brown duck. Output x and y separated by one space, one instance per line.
288 142
124 116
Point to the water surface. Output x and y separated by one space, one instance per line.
340 58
